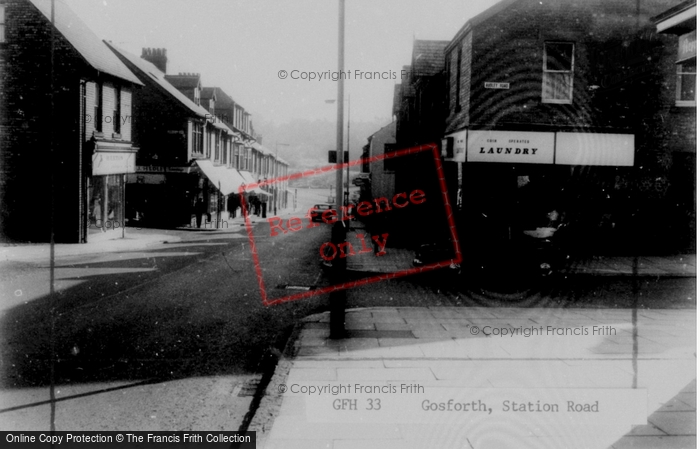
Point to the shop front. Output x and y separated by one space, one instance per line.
106 187
160 196
512 181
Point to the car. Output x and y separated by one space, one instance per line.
317 211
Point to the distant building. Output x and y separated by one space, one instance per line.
65 129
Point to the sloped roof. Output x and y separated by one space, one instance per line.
428 57
184 80
222 98
85 42
151 72
480 18
208 92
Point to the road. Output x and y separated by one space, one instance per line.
174 337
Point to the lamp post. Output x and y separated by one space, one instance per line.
338 235
275 174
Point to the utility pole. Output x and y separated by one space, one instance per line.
338 234
275 166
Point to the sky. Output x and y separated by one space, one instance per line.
242 45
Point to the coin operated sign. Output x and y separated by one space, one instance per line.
454 147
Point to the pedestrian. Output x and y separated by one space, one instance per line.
97 213
264 206
199 209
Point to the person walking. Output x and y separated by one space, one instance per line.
199 209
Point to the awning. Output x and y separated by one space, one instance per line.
249 179
227 180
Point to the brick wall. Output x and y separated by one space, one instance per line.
30 172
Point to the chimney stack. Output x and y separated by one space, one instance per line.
156 56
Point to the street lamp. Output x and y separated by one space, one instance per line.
347 188
337 298
275 174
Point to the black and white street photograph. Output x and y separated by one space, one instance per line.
348 224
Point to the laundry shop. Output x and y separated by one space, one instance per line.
510 180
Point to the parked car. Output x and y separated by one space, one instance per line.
317 211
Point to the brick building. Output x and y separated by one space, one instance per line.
589 87
65 126
585 83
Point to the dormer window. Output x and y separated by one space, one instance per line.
196 96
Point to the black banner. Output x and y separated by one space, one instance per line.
128 440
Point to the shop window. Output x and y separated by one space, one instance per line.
558 73
2 23
685 83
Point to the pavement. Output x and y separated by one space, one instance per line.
118 240
504 377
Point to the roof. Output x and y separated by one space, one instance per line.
428 57
208 92
85 42
222 98
481 18
184 80
153 74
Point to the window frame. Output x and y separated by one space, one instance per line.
571 72
197 144
116 119
679 76
97 110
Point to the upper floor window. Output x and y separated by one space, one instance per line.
97 119
2 23
217 147
117 116
686 75
196 96
558 72
197 138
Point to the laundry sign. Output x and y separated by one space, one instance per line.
510 147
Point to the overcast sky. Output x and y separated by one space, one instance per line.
241 45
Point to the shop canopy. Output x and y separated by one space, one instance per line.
249 179
227 180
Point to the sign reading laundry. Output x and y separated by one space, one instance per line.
512 147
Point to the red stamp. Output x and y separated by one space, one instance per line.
356 243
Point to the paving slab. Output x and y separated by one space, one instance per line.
656 371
